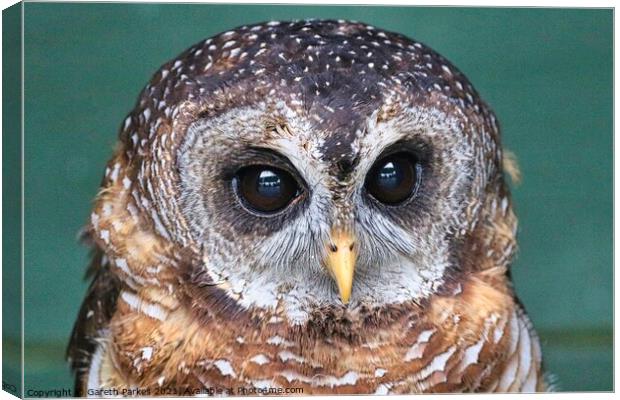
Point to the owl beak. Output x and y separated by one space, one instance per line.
341 256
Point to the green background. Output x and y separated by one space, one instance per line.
12 200
546 72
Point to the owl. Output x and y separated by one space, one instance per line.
305 207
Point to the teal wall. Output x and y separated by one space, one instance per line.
12 200
546 72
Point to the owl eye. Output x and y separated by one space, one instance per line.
264 188
393 179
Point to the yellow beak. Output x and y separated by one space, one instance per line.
341 256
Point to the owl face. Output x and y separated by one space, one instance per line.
328 164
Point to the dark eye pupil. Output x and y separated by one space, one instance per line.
264 188
393 179
269 184
390 176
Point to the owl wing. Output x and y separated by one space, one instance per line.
94 315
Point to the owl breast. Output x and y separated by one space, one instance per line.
443 348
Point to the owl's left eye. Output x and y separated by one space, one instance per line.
394 179
264 188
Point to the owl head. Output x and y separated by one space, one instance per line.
307 165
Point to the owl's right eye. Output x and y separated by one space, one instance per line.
265 189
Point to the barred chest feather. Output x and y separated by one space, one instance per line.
474 339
